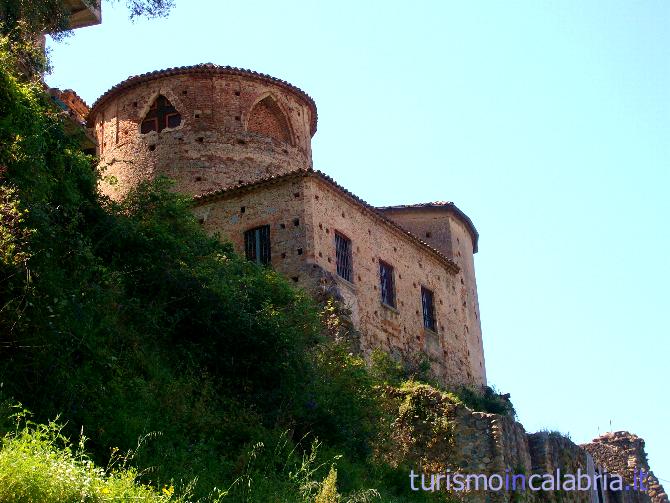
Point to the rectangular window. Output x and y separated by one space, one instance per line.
257 244
172 120
343 256
386 283
428 308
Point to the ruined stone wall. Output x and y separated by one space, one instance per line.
442 229
212 147
623 453
434 433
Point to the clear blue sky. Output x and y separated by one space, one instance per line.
548 123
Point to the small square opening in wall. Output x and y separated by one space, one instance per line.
135 104
282 226
296 194
299 251
241 142
200 139
184 92
243 209
283 255
197 116
428 234
237 93
237 118
152 148
295 279
296 222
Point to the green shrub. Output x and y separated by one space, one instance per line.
486 400
39 465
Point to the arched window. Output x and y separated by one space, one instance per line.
266 118
161 115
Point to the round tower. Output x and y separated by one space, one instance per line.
205 126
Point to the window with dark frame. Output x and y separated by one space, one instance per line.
386 283
257 244
343 256
428 303
161 115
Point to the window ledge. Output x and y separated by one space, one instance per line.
340 280
390 308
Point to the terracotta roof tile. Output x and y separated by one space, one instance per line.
441 205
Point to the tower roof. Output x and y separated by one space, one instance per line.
440 206
205 69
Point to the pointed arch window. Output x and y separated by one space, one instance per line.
162 114
267 119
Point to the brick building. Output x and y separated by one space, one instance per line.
240 143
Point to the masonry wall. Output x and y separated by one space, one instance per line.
303 214
440 228
282 206
623 453
396 330
212 147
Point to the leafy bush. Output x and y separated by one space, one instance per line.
486 400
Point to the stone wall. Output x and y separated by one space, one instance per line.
434 433
304 211
444 227
213 146
397 330
282 206
623 453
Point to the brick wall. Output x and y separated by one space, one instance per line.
267 119
442 229
211 148
304 213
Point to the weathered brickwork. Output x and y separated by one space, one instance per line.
211 148
304 212
236 130
443 226
280 205
267 119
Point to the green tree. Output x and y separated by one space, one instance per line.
24 22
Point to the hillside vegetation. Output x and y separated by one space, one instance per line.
196 374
